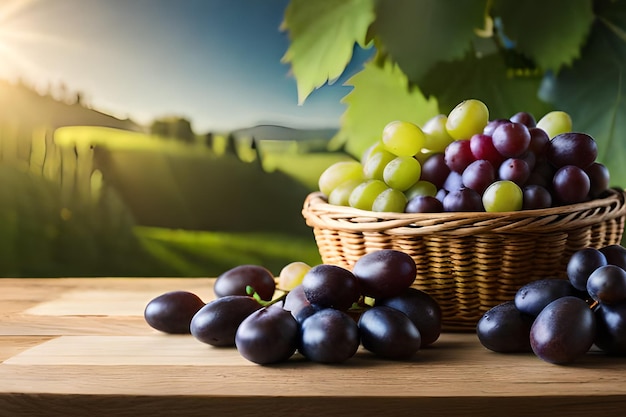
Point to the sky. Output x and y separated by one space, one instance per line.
215 62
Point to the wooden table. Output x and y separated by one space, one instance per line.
80 347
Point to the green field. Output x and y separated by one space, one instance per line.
167 208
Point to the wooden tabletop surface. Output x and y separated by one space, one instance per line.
80 347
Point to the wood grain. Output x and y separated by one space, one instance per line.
67 355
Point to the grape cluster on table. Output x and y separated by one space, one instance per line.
560 320
327 311
464 162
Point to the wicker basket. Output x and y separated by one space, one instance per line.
469 262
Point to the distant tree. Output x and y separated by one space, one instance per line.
208 140
231 145
173 127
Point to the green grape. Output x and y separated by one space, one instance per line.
376 147
337 173
340 195
402 172
424 188
375 165
502 196
467 119
437 137
403 138
364 194
292 275
391 201
555 123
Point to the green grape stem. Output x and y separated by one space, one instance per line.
252 292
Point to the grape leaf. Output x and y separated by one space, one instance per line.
593 90
322 37
380 95
417 34
488 80
550 34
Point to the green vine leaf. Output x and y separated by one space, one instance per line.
380 95
593 90
551 36
418 34
322 36
487 79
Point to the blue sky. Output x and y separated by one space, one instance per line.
216 62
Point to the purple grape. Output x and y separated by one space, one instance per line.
458 155
572 148
524 118
514 169
216 323
615 255
384 273
599 178
435 170
530 158
505 329
453 182
581 264
296 300
235 280
478 175
268 335
422 309
463 199
482 147
571 185
441 194
607 284
563 331
172 311
511 139
539 142
331 286
389 333
534 296
329 336
424 204
493 124
611 328
535 197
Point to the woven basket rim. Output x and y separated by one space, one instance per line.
318 213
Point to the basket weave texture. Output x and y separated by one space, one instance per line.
469 262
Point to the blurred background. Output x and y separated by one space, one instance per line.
180 138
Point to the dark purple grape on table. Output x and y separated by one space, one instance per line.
216 323
534 296
236 280
505 329
296 300
611 328
329 336
581 265
615 255
172 311
333 286
564 331
423 310
607 285
269 335
389 333
384 273
463 199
